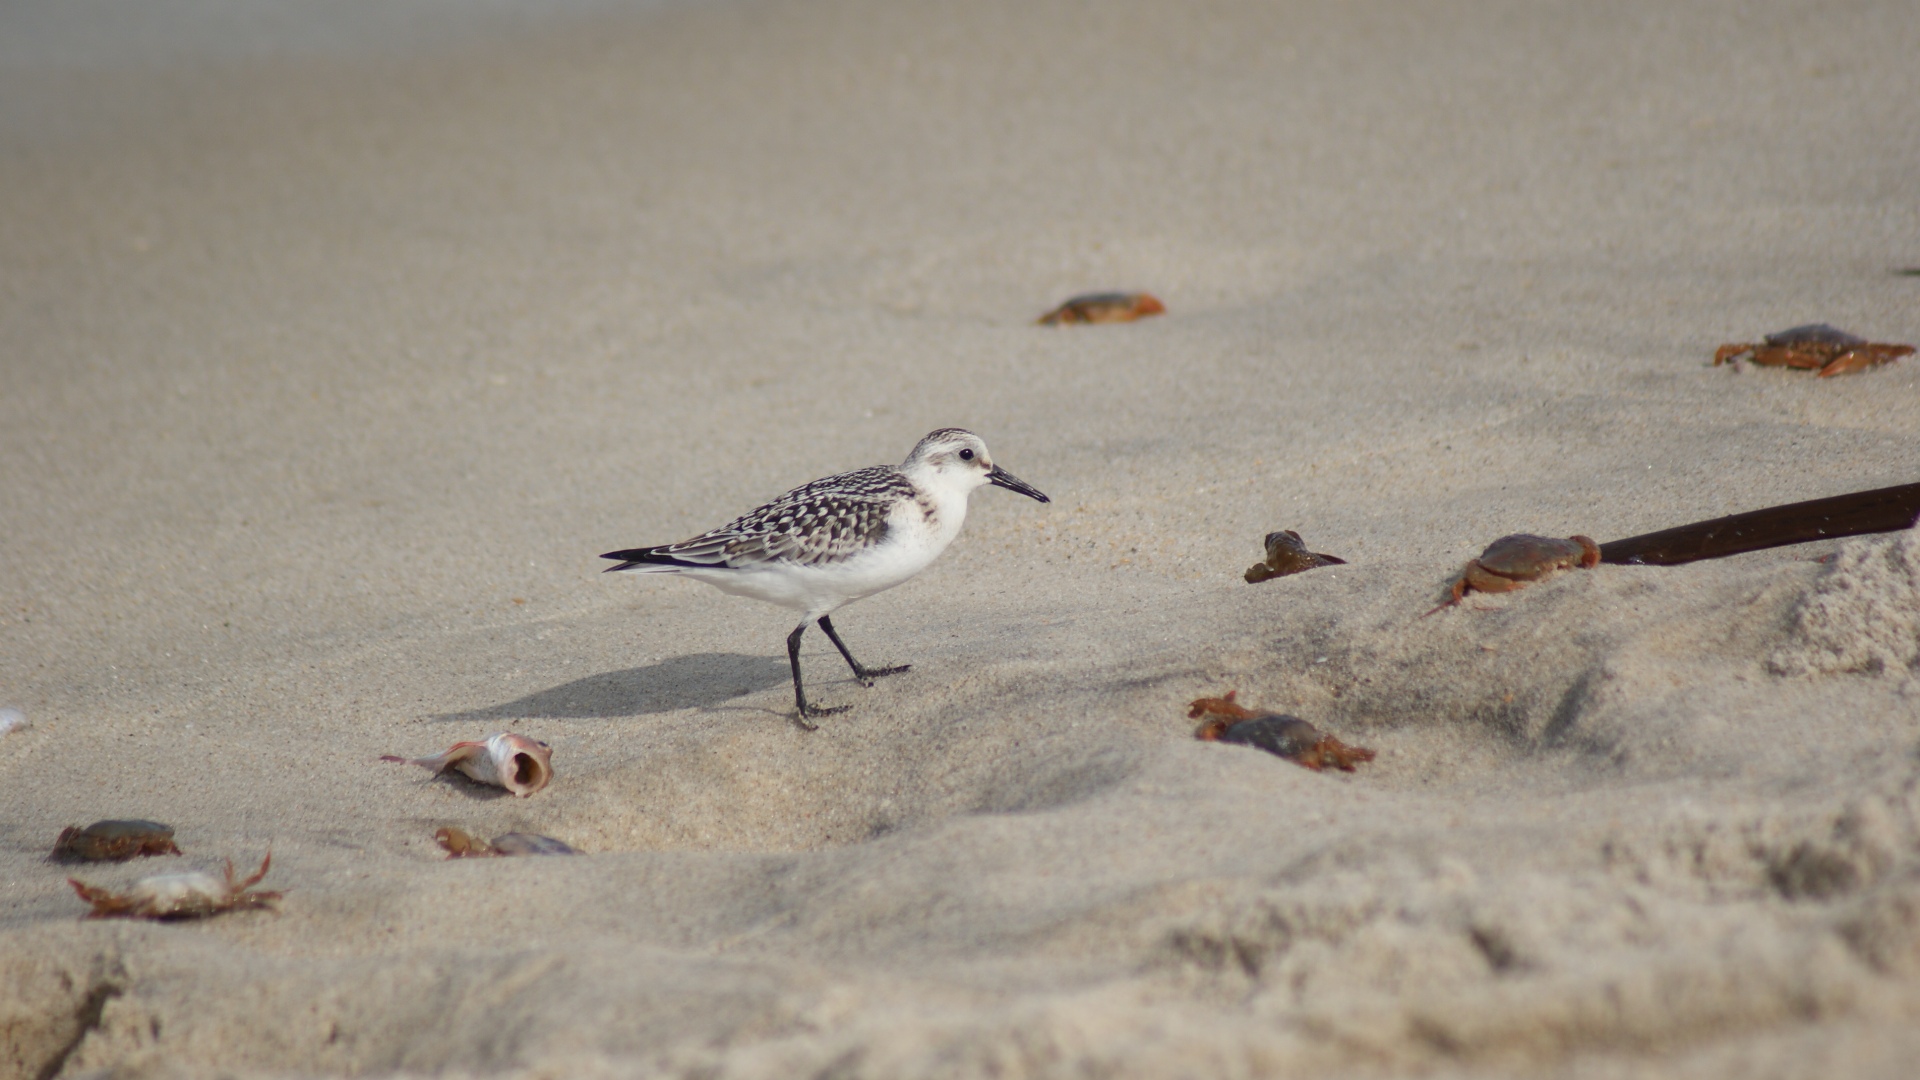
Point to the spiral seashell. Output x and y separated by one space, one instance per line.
515 762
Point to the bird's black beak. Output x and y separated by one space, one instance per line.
1000 477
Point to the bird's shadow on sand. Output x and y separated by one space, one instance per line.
699 681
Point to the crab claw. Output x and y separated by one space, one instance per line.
1219 706
1862 357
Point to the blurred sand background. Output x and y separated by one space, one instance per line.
338 339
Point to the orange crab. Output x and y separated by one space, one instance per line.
1513 562
192 895
1104 308
1284 736
1814 347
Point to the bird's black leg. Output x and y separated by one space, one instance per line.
866 675
799 694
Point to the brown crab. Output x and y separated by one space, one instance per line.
1285 736
1287 554
1513 562
113 841
1814 347
1104 308
461 844
193 895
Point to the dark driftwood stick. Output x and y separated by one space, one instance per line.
1880 510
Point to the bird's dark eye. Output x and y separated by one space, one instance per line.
966 455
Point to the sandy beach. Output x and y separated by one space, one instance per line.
336 346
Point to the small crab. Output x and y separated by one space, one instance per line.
192 895
1284 736
515 762
1814 347
113 841
1513 562
1104 308
1287 554
462 845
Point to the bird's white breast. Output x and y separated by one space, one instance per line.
918 530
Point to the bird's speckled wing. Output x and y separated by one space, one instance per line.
815 524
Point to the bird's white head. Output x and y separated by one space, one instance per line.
955 460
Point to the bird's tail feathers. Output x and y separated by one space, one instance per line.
648 561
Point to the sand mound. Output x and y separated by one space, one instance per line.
1863 615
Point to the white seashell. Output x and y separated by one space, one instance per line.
12 720
515 762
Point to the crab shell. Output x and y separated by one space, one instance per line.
113 841
1104 308
1283 736
1287 736
1512 561
515 762
1287 554
192 895
521 843
1297 741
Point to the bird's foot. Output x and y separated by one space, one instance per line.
866 675
809 711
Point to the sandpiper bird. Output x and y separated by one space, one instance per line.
828 543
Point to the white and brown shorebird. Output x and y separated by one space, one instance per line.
826 544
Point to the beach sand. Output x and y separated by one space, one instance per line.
329 370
